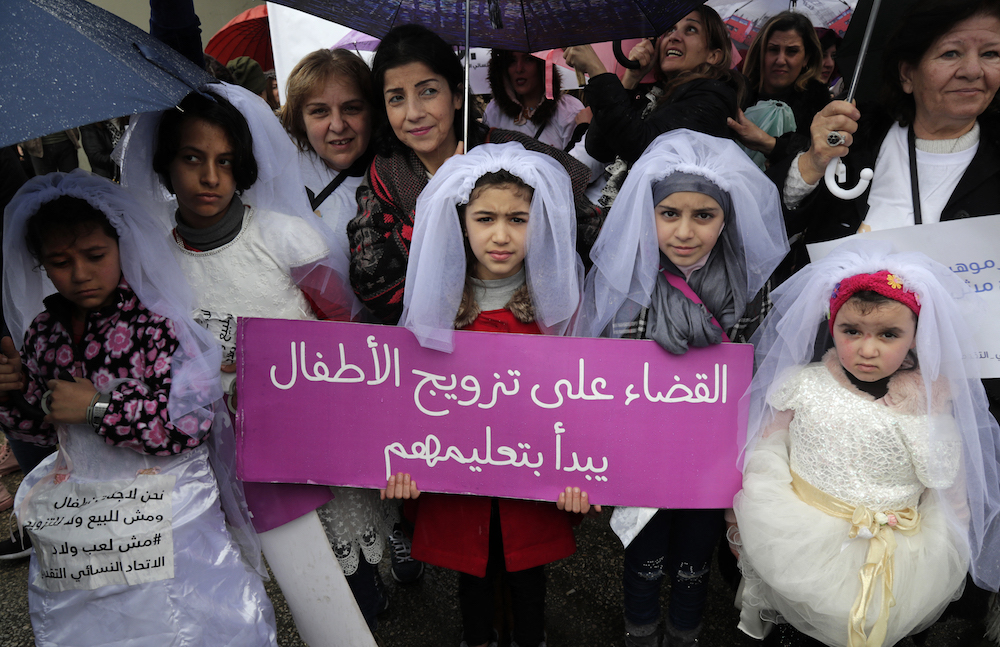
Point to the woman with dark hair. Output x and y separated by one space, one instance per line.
328 113
524 100
783 67
696 89
829 73
419 125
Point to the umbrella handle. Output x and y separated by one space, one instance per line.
623 60
836 170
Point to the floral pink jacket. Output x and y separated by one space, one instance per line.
123 341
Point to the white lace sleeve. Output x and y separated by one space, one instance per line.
934 447
785 397
796 189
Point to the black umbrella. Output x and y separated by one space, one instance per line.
887 14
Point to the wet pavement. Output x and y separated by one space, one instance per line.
583 602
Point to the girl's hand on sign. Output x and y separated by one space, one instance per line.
573 500
399 486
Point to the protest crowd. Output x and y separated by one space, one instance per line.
672 203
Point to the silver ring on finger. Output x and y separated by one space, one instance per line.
835 139
45 402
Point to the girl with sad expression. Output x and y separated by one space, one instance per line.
113 369
870 474
683 259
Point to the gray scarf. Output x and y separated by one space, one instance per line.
218 234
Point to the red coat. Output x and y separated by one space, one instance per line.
453 530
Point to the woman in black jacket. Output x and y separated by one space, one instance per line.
696 88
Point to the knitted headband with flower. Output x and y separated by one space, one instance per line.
883 282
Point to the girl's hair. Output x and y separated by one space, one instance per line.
64 216
309 76
829 38
413 44
753 65
919 27
716 38
215 110
868 300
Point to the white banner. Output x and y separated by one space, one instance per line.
89 535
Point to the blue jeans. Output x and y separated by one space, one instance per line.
678 542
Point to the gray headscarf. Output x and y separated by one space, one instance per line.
676 322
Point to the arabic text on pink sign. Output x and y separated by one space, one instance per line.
520 416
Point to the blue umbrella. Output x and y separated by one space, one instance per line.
519 25
67 63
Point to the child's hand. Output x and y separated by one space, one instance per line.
400 486
573 500
69 401
11 376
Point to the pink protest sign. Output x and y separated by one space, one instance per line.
520 416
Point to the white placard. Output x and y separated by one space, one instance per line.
89 535
969 247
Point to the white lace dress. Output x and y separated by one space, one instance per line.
800 562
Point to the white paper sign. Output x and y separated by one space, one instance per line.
970 247
89 535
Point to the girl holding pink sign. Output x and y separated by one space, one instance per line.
684 259
503 260
871 481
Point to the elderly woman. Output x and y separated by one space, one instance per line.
783 68
934 143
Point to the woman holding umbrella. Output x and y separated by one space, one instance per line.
933 141
419 126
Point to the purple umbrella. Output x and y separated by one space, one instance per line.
357 41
